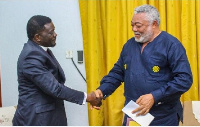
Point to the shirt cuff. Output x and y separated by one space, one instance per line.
85 97
157 95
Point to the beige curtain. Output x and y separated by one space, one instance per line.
106 26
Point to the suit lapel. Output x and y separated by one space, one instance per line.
56 62
51 58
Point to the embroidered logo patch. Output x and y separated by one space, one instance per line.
125 66
156 68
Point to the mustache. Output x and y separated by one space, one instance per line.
54 38
137 33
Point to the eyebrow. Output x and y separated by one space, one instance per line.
51 30
135 22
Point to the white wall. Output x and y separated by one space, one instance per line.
65 15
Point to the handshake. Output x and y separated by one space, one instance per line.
95 98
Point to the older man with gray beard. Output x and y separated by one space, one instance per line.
154 68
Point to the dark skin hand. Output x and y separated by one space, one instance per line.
145 103
98 95
93 100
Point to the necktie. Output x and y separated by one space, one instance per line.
48 52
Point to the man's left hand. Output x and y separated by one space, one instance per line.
145 103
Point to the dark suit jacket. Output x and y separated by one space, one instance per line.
41 89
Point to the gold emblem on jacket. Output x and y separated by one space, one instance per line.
125 66
156 69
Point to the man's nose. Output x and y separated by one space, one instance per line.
134 28
55 34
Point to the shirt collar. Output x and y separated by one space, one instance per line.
45 48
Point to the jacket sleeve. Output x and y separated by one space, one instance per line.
181 75
113 80
35 70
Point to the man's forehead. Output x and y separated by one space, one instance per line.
140 17
49 26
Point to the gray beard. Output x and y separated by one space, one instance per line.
144 39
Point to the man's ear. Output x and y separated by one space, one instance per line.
155 23
37 37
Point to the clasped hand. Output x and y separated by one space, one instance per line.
95 98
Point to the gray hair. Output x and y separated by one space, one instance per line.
151 12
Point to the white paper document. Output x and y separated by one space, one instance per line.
142 120
196 110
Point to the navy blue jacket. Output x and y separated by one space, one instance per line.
161 69
41 89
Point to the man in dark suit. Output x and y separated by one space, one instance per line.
41 80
